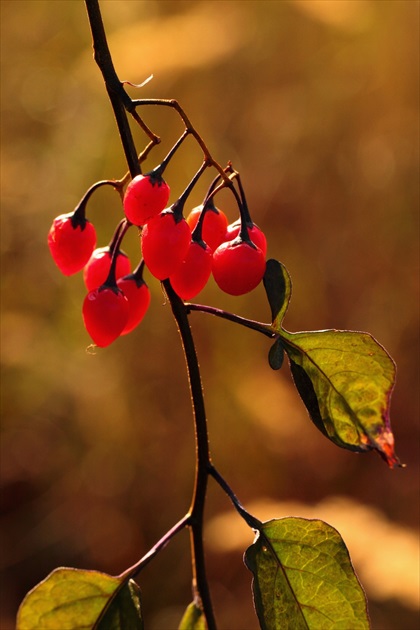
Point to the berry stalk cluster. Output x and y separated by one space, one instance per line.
185 249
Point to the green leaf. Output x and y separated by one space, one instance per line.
72 599
276 355
124 613
193 618
303 578
345 379
278 288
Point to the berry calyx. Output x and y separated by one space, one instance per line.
215 224
165 241
99 264
194 271
145 197
105 314
138 295
255 234
238 266
71 239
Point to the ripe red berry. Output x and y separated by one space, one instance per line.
97 269
238 267
256 235
194 271
145 197
165 241
214 225
71 245
105 314
138 295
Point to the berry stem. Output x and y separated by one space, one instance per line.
213 190
122 228
178 206
154 139
137 274
117 237
79 215
245 210
159 170
246 221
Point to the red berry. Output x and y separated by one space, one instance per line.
238 267
97 269
71 247
165 241
214 225
138 296
105 313
193 273
145 197
256 235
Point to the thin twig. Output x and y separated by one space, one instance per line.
250 520
132 571
264 329
188 125
161 544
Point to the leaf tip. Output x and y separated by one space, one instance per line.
388 454
384 445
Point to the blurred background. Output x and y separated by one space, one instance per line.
316 104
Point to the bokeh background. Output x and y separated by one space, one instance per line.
316 104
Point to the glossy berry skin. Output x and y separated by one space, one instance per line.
238 267
256 235
145 197
165 241
215 225
138 296
97 269
193 273
105 314
71 246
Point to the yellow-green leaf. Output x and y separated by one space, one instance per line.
74 599
345 379
193 618
303 578
124 612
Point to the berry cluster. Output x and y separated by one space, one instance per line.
184 250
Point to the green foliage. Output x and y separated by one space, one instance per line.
124 611
276 354
72 599
193 618
345 378
303 578
278 287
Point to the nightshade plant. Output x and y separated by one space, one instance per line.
302 575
